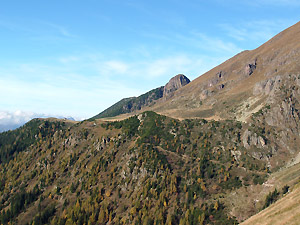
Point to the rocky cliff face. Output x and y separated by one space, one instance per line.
174 84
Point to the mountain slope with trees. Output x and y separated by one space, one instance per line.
217 150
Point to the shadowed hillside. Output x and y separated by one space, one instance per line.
128 105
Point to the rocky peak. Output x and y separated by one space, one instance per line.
174 84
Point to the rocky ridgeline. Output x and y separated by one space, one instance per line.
174 84
128 105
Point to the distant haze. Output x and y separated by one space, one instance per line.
13 120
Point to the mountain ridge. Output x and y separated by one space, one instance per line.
233 78
236 76
135 104
218 150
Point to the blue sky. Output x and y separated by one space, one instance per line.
76 58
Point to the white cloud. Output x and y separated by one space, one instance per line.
12 120
116 66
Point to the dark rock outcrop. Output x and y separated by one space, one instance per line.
174 84
250 67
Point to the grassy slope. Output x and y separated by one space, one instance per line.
287 209
279 56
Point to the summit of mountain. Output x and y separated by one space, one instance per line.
174 84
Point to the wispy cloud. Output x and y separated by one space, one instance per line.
114 66
143 68
15 26
161 68
209 43
37 30
197 40
59 91
85 84
255 31
69 59
277 2
262 3
60 30
170 66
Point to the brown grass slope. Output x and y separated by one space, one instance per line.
287 209
227 85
